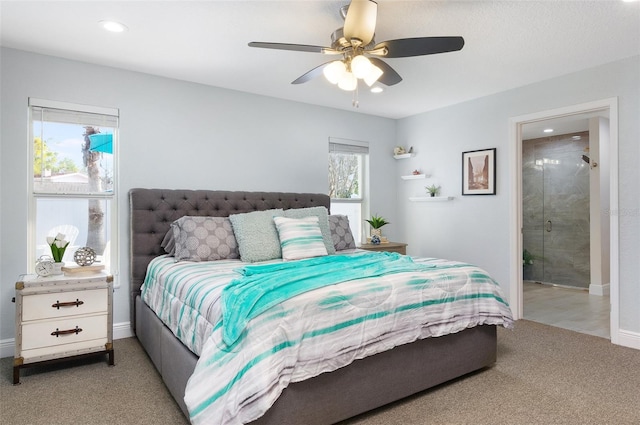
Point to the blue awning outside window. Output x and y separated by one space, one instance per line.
101 143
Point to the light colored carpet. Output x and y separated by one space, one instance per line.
544 375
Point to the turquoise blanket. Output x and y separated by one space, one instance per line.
263 286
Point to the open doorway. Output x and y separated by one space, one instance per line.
566 241
602 280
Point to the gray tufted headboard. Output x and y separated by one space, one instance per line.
153 210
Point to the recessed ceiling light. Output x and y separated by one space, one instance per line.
113 26
548 130
377 89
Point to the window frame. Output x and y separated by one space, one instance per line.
111 196
356 147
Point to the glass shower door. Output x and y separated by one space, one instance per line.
556 211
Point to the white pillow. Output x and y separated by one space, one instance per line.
300 237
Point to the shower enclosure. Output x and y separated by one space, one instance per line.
555 197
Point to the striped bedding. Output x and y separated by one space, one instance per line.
312 332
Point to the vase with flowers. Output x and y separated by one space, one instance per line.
58 245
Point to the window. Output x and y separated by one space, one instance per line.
73 164
348 178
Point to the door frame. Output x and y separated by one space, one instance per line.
515 173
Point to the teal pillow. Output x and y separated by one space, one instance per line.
257 235
323 222
300 237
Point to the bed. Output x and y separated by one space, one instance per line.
361 385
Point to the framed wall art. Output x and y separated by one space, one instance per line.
479 172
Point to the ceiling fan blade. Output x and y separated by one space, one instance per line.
389 76
294 47
360 22
419 46
310 75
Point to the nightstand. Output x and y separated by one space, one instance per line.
399 247
62 318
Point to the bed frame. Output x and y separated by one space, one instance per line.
328 398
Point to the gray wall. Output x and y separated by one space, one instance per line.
175 134
181 135
476 229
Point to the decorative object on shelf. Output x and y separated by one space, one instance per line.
58 245
84 256
416 172
399 150
433 190
410 149
44 266
414 177
375 240
479 172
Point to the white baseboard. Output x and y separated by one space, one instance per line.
7 348
629 339
601 290
120 331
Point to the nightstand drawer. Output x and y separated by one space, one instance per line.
64 304
63 331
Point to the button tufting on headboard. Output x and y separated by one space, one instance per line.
151 212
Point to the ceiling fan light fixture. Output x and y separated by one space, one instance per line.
348 82
373 75
361 66
334 71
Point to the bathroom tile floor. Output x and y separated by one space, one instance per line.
566 308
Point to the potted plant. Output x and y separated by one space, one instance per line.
527 258
58 245
376 223
433 190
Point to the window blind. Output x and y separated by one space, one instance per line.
348 146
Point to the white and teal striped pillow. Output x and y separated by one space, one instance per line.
300 237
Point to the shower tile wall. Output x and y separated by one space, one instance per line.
555 187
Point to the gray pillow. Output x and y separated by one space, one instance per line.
341 232
204 239
257 235
168 243
323 221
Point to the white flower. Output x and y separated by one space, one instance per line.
60 237
50 240
61 244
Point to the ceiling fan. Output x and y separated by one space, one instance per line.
360 53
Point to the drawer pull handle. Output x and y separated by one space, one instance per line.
76 303
58 332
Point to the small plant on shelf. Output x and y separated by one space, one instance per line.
433 189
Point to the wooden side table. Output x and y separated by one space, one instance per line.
62 317
399 247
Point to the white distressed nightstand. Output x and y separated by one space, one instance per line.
62 317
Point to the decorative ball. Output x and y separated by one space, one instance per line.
375 239
84 256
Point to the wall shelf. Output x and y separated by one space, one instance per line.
414 177
404 156
431 198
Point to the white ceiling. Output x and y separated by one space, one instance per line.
507 43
